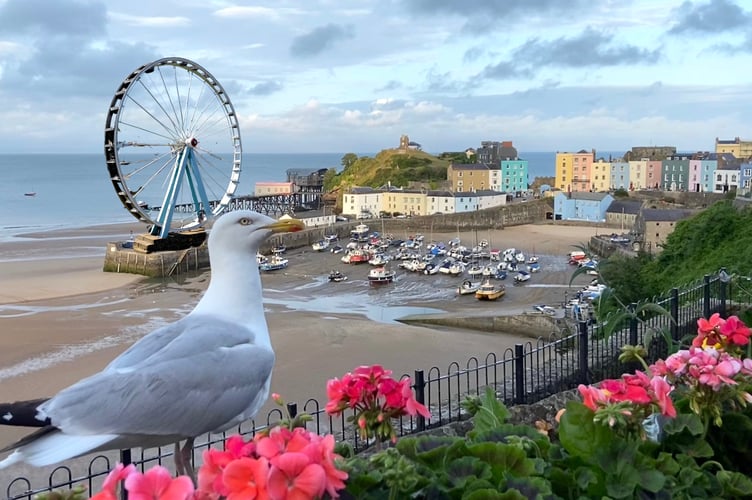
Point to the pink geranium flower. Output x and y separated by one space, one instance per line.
736 332
109 487
294 476
158 484
246 479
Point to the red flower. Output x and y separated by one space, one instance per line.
158 484
245 479
661 390
736 331
294 476
109 487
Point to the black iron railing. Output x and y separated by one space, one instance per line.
523 375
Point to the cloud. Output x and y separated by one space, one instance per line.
257 12
62 17
588 49
151 22
716 16
390 85
265 88
491 8
319 40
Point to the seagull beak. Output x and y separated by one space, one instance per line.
286 226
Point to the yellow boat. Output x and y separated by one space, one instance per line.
490 291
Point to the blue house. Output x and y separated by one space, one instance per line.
745 179
513 175
582 206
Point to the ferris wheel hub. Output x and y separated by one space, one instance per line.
191 142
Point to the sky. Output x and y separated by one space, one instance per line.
313 76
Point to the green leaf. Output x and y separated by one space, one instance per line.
492 413
652 480
579 435
734 484
530 487
467 469
503 459
684 421
493 494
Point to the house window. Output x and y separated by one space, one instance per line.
718 177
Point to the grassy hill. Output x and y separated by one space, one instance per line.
396 166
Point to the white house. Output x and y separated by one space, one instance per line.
362 200
489 198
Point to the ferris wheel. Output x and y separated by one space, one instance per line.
172 145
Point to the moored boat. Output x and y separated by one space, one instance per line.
380 276
468 287
490 291
337 276
521 276
274 263
320 245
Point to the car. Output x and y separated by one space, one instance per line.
341 218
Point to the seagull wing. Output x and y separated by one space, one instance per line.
206 375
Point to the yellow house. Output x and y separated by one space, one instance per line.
573 171
638 174
407 202
471 177
601 172
739 148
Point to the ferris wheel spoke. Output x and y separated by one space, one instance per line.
178 126
158 102
209 171
146 165
155 120
149 131
192 121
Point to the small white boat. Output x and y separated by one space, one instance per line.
544 309
380 276
320 245
533 267
521 276
274 263
468 287
475 270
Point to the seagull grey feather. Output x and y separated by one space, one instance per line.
204 373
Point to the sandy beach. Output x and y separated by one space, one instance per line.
62 318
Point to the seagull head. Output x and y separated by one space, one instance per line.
234 228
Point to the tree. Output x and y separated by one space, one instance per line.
329 179
348 160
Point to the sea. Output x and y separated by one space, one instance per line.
74 190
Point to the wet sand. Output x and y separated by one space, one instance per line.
62 318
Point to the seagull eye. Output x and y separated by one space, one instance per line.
245 221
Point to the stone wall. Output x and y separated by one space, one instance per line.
118 259
533 325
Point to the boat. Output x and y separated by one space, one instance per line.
320 245
544 309
533 267
490 291
336 249
380 276
30 193
279 249
274 263
468 287
337 276
360 232
521 276
358 257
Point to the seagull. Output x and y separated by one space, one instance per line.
207 372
